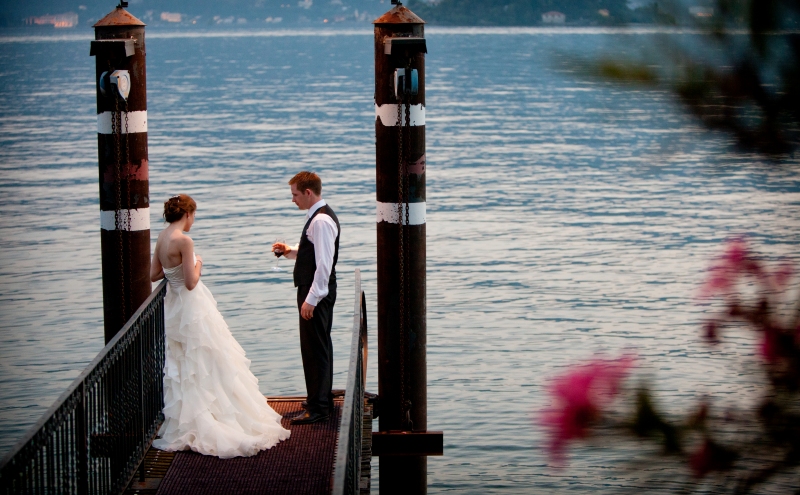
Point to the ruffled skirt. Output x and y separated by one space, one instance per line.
212 404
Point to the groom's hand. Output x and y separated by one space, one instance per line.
280 249
307 311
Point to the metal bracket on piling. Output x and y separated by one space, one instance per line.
406 44
119 79
123 48
403 443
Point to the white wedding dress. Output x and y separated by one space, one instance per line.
212 404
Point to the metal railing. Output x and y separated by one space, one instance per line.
347 470
96 434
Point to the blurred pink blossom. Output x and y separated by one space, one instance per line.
579 395
783 275
737 262
734 263
770 346
700 461
711 457
710 331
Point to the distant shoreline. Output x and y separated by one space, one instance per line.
28 34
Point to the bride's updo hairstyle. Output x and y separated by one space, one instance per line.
177 206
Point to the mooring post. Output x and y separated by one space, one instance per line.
400 189
119 52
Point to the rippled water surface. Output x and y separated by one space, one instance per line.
566 217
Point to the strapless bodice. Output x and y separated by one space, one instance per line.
175 276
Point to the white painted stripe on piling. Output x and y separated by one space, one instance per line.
388 212
388 114
137 122
140 219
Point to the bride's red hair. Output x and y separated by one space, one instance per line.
177 206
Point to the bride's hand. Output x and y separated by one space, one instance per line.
198 264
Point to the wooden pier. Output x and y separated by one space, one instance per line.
97 437
303 464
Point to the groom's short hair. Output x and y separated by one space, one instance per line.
307 180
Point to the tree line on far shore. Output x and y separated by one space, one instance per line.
576 12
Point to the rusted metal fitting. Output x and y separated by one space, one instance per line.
119 17
399 15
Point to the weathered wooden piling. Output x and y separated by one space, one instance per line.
400 174
119 51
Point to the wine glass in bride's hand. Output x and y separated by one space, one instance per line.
278 253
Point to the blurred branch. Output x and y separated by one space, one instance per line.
744 80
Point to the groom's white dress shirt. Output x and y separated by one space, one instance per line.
322 233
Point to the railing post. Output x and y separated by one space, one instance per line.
82 448
142 412
365 348
347 466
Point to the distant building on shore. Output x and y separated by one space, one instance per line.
67 20
701 11
553 17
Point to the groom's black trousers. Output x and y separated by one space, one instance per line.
317 350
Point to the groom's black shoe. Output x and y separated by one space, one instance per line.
309 417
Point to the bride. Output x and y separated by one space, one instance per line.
212 404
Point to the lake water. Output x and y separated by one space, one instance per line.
566 217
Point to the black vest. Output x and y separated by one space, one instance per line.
306 263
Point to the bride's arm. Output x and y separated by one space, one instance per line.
156 270
191 270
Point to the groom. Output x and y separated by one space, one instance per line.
315 279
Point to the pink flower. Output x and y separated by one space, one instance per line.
710 331
701 461
711 457
783 275
736 252
770 345
734 263
579 395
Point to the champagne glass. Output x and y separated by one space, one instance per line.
276 268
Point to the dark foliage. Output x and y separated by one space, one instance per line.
748 87
520 12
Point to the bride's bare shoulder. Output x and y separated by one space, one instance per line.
173 241
181 238
173 235
180 243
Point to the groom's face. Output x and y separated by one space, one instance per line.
301 198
